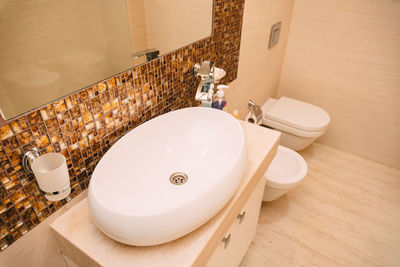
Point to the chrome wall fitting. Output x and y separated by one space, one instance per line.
256 110
28 158
150 54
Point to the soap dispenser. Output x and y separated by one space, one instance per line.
219 98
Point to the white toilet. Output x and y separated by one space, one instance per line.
300 124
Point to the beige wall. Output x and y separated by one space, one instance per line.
344 56
259 67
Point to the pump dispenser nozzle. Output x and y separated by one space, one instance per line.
220 101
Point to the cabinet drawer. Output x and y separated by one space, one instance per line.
232 248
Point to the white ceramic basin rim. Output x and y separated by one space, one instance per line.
130 195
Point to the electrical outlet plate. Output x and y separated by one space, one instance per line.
274 35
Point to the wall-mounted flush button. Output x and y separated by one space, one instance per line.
274 35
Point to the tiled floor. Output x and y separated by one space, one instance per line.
346 213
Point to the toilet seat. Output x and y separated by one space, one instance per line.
287 169
295 117
291 130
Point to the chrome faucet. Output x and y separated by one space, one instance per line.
205 90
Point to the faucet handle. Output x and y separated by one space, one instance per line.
205 68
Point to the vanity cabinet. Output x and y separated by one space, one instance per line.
235 242
80 240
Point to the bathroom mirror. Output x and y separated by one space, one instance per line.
50 49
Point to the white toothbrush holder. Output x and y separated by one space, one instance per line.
51 173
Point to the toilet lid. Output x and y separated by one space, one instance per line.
286 170
298 114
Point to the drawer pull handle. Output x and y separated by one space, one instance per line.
226 241
241 217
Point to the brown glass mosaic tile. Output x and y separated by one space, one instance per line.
84 125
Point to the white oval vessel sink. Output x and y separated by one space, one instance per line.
130 195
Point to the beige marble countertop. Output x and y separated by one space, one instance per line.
82 241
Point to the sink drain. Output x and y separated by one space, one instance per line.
178 178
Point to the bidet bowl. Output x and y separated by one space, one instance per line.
286 171
137 194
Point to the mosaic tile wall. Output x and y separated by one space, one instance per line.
84 125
